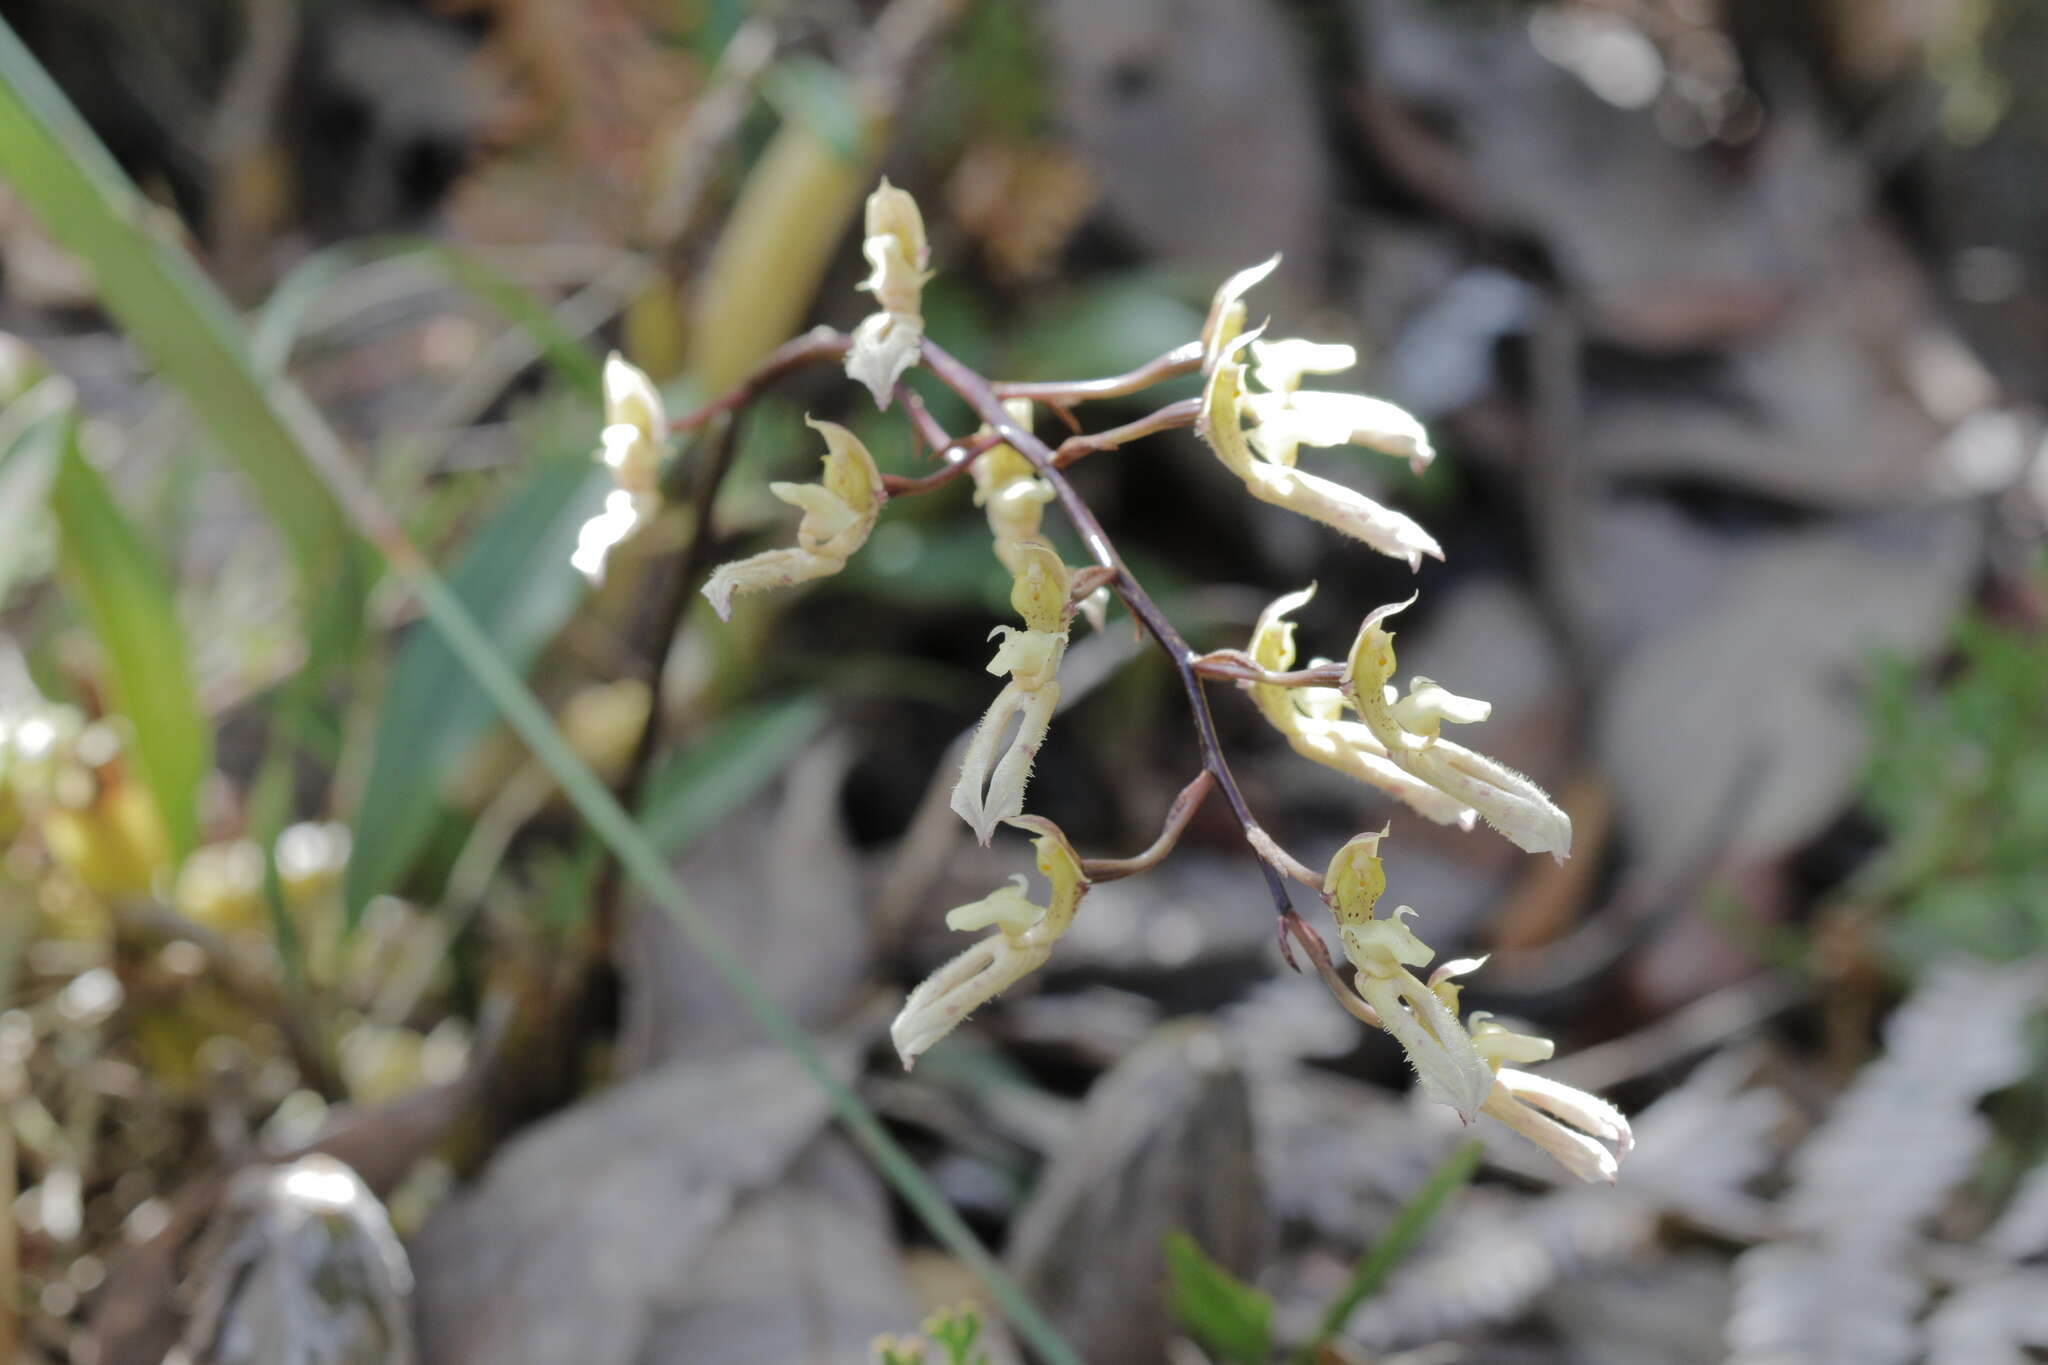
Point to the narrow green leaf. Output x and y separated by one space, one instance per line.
1230 1319
701 785
126 595
283 317
1409 1224
27 465
180 320
516 579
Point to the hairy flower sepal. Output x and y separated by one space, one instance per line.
1312 719
1024 935
990 789
1410 730
1220 423
887 342
839 511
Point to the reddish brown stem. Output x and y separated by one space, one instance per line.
820 343
1178 361
957 458
1173 415
1238 666
1295 927
1177 816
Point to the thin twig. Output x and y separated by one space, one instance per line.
820 343
1238 666
1177 816
1178 361
957 457
1168 418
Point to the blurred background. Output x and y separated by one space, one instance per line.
1729 319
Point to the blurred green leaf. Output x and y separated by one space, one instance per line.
1228 1318
691 794
53 161
516 579
127 598
817 95
1105 327
27 465
283 318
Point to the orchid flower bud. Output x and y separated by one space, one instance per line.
1408 729
888 342
990 789
1022 942
839 512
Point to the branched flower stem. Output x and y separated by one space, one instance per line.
986 400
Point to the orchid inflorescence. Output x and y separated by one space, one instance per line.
1255 415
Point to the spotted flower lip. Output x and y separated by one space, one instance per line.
1410 728
887 342
1025 933
838 513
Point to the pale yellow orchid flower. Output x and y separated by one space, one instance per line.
1409 728
1312 720
1462 1065
1220 424
838 513
1024 935
990 789
635 435
888 342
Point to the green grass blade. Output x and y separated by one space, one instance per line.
1231 1320
515 579
103 560
283 316
27 465
179 319
689 796
1409 1224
